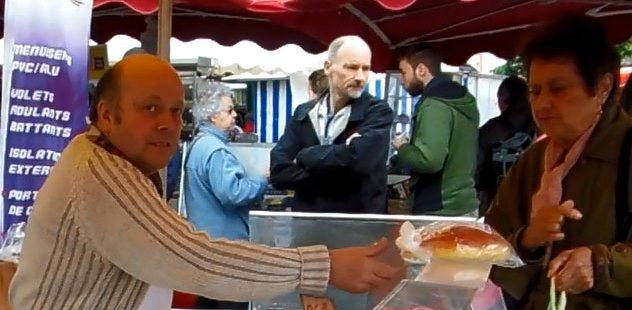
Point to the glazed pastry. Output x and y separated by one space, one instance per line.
466 242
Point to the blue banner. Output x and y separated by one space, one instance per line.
44 95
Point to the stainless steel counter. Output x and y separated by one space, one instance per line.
292 229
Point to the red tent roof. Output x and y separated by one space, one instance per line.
457 28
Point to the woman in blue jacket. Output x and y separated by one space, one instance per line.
218 191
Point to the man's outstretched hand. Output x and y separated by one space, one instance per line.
357 270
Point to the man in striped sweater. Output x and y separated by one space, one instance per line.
100 232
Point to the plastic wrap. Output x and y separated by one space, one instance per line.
12 244
414 295
472 242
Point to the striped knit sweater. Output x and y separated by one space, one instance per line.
100 232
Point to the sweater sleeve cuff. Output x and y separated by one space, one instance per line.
315 266
529 257
601 261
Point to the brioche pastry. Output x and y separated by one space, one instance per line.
461 242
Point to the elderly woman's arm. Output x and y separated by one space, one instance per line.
612 267
231 185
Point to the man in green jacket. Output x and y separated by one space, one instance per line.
441 153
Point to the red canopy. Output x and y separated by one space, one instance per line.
458 29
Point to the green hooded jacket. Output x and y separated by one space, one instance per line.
442 150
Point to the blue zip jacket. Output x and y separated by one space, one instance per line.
218 191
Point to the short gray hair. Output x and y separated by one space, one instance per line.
208 99
336 44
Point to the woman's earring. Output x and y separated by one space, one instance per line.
602 99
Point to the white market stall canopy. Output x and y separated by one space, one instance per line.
245 56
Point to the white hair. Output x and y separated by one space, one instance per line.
208 99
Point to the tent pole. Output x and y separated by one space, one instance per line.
164 28
164 36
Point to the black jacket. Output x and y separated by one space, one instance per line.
497 129
335 178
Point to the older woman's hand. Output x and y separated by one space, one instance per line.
545 224
573 270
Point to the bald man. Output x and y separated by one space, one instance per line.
100 232
334 150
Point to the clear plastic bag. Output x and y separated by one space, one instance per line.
488 297
414 295
476 242
12 243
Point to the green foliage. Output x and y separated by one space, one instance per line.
514 65
625 49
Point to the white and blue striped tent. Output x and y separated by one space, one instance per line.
273 105
401 102
272 109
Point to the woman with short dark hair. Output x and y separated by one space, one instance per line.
564 204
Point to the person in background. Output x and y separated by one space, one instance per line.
441 154
334 150
218 191
135 51
565 202
318 83
100 233
503 138
249 124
